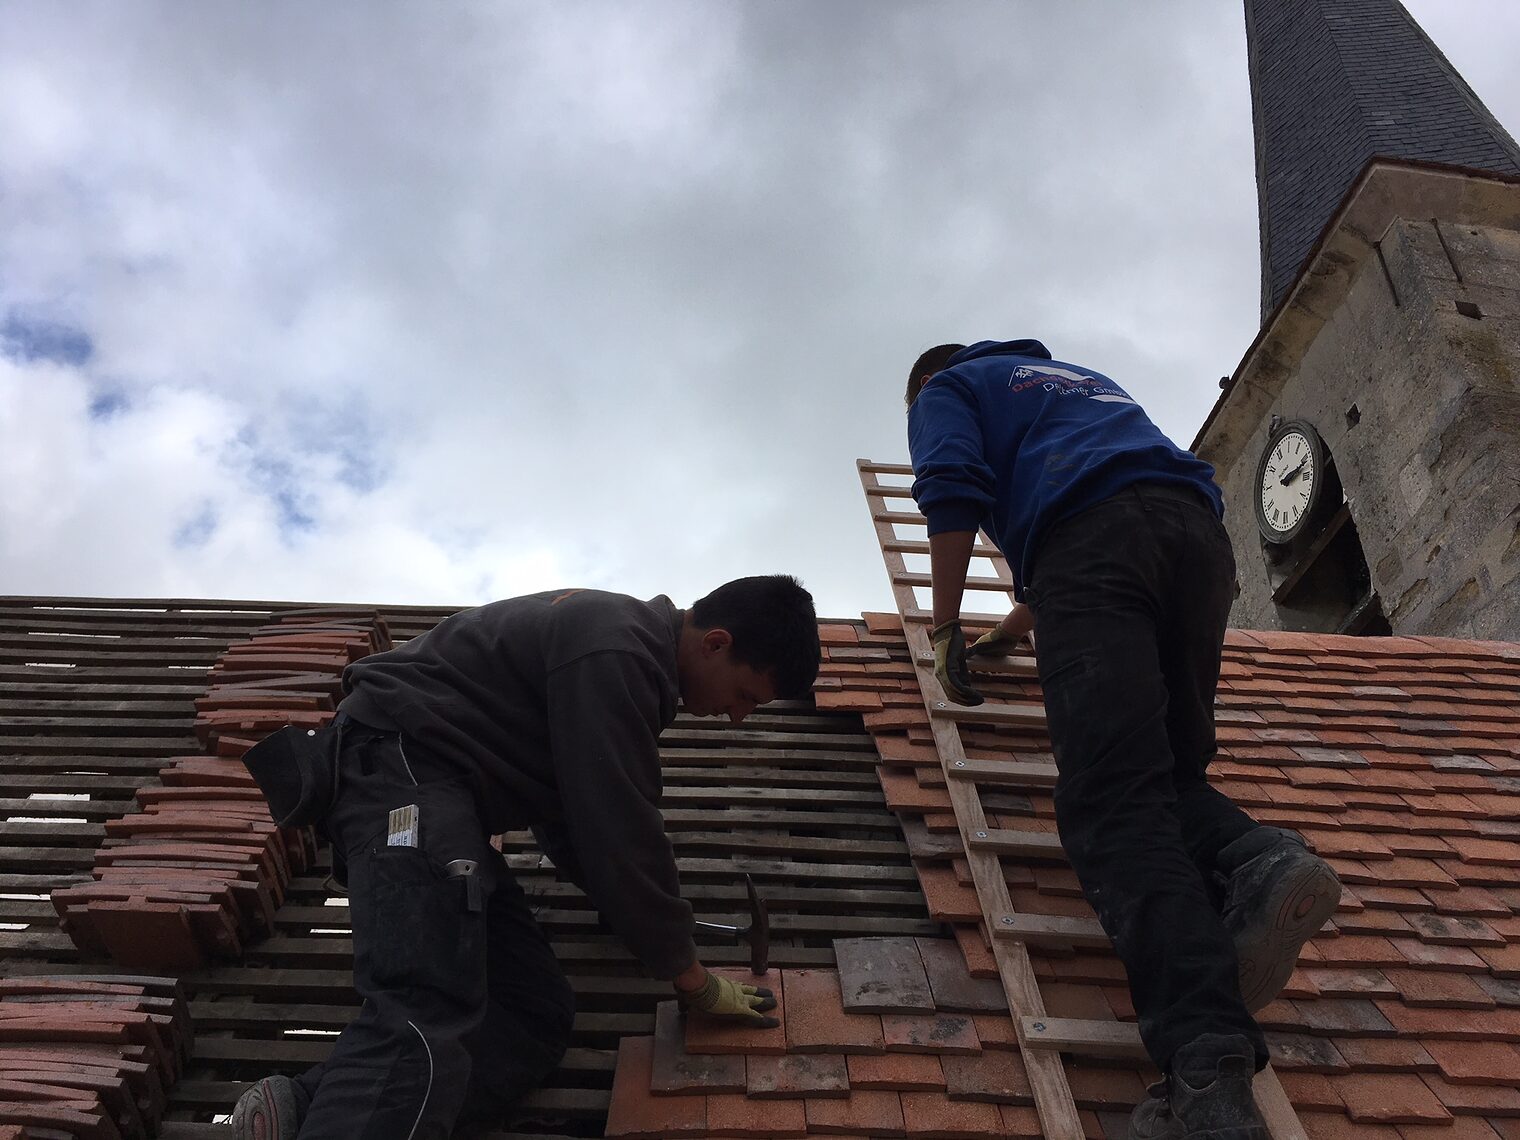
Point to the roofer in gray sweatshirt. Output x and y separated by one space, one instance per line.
543 711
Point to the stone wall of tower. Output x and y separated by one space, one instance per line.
1430 458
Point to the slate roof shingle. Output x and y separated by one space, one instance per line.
1333 83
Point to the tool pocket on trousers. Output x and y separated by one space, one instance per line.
424 933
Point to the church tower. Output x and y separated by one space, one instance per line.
1368 444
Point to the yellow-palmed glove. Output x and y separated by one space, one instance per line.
720 997
994 644
950 664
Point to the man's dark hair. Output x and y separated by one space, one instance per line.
774 627
927 365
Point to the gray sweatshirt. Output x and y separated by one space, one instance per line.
553 705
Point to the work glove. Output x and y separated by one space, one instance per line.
994 644
950 664
720 997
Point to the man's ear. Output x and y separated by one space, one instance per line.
715 639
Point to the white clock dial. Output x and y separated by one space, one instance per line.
1287 482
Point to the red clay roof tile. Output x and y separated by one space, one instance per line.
818 1022
636 1112
934 1116
1390 1098
866 1113
995 1076
944 1034
896 1072
734 1114
1477 1062
798 1075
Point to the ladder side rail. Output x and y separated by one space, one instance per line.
1047 1076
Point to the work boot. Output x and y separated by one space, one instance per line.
1207 1096
1277 896
270 1109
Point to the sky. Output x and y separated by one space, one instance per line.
439 303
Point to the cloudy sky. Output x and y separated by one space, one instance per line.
441 302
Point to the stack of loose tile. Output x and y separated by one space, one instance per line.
197 873
89 1057
1398 759
898 1041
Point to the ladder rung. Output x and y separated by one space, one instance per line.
972 582
1012 841
905 518
1005 773
919 546
1053 930
1078 1035
927 617
883 468
1018 715
1022 666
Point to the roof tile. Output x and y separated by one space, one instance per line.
935 1115
818 1022
635 1112
879 975
1439 989
945 1034
897 1072
1479 1099
1311 1091
998 1077
952 985
1391 1098
1384 1054
1020 1122
734 1114
798 1075
674 1070
1477 1062
865 1113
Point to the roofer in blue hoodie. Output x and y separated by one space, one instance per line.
1121 563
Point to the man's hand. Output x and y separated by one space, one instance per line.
950 664
1010 633
719 997
998 643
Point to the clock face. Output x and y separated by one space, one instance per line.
1287 483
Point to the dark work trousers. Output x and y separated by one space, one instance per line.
465 1008
1131 598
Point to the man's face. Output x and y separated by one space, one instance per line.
714 684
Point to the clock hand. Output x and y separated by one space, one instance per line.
1292 475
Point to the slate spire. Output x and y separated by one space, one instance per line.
1334 83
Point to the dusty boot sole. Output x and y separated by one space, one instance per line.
267 1110
1299 904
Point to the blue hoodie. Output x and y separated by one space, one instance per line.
1011 442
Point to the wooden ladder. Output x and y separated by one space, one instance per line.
1042 1039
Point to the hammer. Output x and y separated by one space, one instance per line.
758 931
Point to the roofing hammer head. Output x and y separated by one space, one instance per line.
759 929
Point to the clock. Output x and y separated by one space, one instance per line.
1290 481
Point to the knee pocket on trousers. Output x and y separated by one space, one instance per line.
424 935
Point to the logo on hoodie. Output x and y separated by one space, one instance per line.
1065 382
